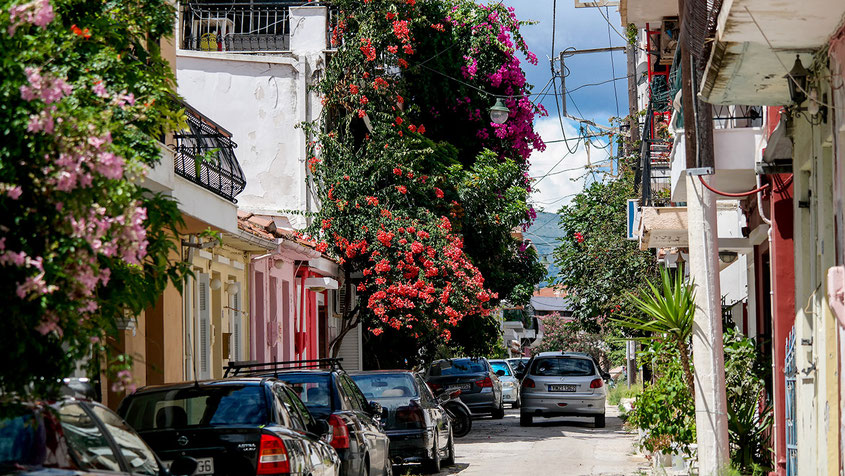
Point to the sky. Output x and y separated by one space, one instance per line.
578 28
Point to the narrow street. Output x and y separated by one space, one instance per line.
559 446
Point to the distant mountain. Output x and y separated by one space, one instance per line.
544 233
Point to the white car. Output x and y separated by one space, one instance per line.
562 384
510 384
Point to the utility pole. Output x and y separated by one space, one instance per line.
633 107
707 346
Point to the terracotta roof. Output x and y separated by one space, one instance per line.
551 291
265 227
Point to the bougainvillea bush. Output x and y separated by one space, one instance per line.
83 97
405 141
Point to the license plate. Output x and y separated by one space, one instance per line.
562 388
461 386
205 466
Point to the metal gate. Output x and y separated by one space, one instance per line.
789 371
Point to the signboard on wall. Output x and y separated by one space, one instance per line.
632 218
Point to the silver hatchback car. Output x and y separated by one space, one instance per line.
562 384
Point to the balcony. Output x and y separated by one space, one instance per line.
205 156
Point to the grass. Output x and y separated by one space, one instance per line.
621 390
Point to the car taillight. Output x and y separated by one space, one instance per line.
528 383
597 383
272 456
340 433
411 416
434 386
485 382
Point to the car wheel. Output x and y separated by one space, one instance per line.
525 419
499 413
450 460
515 404
600 421
432 465
388 468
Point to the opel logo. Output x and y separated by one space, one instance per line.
182 440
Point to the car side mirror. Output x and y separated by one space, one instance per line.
605 376
183 466
500 373
376 409
323 429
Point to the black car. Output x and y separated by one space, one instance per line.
418 427
328 392
233 427
480 387
72 436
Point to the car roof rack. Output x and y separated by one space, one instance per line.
253 367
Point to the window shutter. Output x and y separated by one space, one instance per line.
204 324
341 300
237 336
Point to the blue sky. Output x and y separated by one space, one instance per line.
580 28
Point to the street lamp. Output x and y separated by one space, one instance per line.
797 81
499 112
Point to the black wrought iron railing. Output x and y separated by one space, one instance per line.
205 155
655 166
240 26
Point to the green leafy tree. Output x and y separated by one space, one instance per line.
83 96
404 143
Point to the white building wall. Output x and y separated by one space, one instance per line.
261 99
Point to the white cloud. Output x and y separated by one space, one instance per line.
567 177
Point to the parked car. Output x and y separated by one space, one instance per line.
480 387
510 384
562 384
518 364
418 427
233 427
329 393
72 436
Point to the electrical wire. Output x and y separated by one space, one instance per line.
612 63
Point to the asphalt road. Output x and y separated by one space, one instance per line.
557 446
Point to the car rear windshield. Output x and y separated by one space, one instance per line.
313 389
198 407
562 367
497 366
457 367
380 386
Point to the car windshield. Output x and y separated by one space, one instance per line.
562 367
313 389
457 367
198 406
497 366
381 386
22 440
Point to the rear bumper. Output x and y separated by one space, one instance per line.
411 445
510 395
484 401
562 405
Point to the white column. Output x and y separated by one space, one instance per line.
708 355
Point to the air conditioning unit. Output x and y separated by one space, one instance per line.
670 32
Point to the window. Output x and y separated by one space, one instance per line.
458 367
425 392
286 409
138 455
86 439
497 366
353 394
203 406
379 386
307 419
563 367
314 390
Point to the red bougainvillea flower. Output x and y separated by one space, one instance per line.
402 63
399 121
393 49
400 99
322 247
372 201
84 33
397 171
412 128
408 49
368 49
438 27
380 83
579 237
361 113
438 193
390 15
353 88
402 189
364 100
401 30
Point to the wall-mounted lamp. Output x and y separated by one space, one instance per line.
728 257
499 112
216 284
278 263
797 81
232 288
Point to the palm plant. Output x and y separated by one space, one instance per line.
667 312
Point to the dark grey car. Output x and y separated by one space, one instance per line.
481 389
